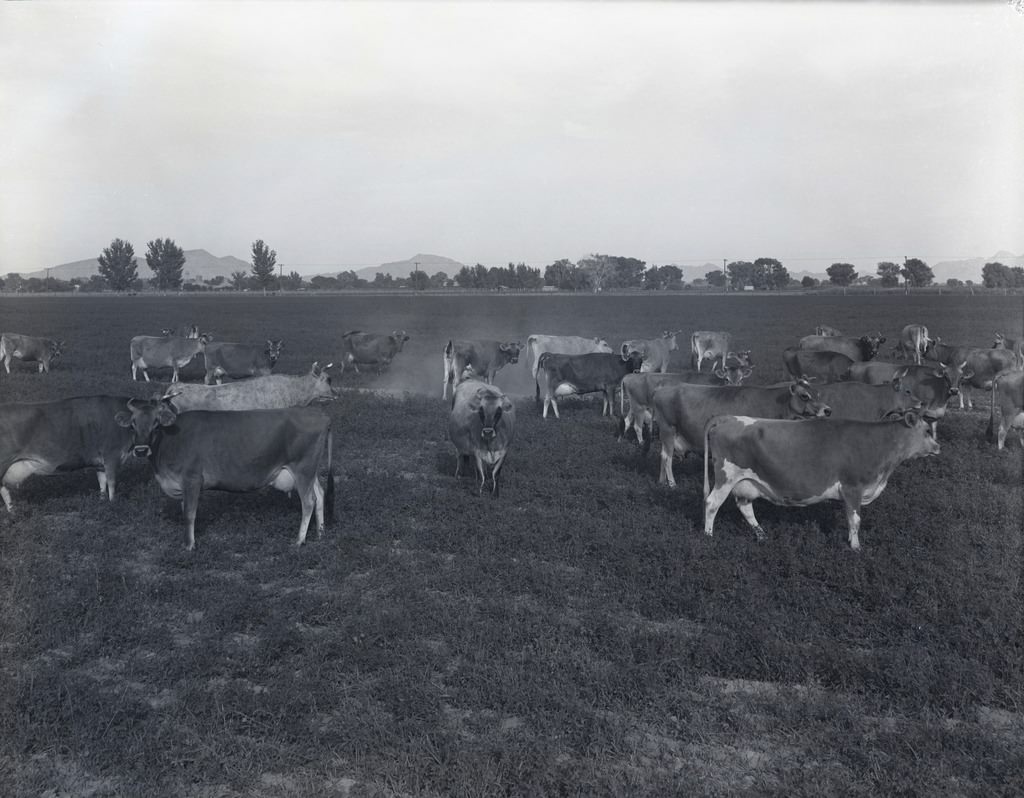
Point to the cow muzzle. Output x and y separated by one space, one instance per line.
487 433
825 411
141 451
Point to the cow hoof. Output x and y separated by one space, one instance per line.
760 535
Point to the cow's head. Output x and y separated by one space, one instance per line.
633 347
601 345
731 371
489 406
400 338
204 339
511 351
922 441
145 417
902 396
870 344
323 391
56 349
805 402
635 360
999 342
670 336
273 350
742 358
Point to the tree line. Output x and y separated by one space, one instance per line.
118 271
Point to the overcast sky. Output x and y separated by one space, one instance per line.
350 134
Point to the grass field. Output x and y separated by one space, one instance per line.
578 636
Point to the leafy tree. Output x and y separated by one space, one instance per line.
439 280
166 259
841 273
770 273
348 280
291 281
809 282
996 275
741 273
716 278
323 282
216 280
239 280
917 273
118 265
418 280
564 274
264 260
952 282
889 273
15 282
1017 273
658 278
383 280
2 283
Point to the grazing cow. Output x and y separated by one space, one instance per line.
682 411
1008 394
654 351
857 349
29 349
482 425
824 329
69 434
914 342
984 365
184 331
638 392
259 393
537 345
797 463
705 344
371 349
859 402
1011 344
563 375
934 386
240 360
150 351
486 358
240 452
816 366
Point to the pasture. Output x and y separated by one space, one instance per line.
577 636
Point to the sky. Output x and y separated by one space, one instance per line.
350 134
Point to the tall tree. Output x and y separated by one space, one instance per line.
418 280
166 259
118 265
239 280
741 273
264 260
889 273
716 278
996 275
841 273
770 273
917 273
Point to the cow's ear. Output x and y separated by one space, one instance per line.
746 371
881 340
315 370
963 365
123 418
506 404
940 371
910 418
721 373
966 375
166 415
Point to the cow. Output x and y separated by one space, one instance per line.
857 349
859 402
816 366
240 360
1011 344
638 392
184 331
705 344
29 349
933 385
984 365
825 330
482 425
537 344
797 463
149 351
563 375
239 452
914 342
1008 393
63 435
486 358
370 349
259 393
654 351
681 412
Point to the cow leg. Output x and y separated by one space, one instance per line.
308 499
42 369
5 494
190 507
482 473
174 375
494 474
747 509
458 464
7 363
101 477
853 520
712 502
665 476
318 496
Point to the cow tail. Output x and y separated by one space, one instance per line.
707 455
990 433
541 360
449 352
329 487
529 352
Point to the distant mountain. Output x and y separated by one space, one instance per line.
971 269
199 264
430 264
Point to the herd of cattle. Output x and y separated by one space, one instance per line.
836 430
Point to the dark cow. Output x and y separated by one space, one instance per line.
797 463
486 358
224 358
933 385
537 344
859 402
371 349
857 349
654 351
238 452
184 331
259 393
709 345
638 392
816 366
564 375
150 351
1008 395
681 412
1011 344
914 342
824 329
482 426
30 350
69 434
984 364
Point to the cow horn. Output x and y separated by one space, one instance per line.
171 393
